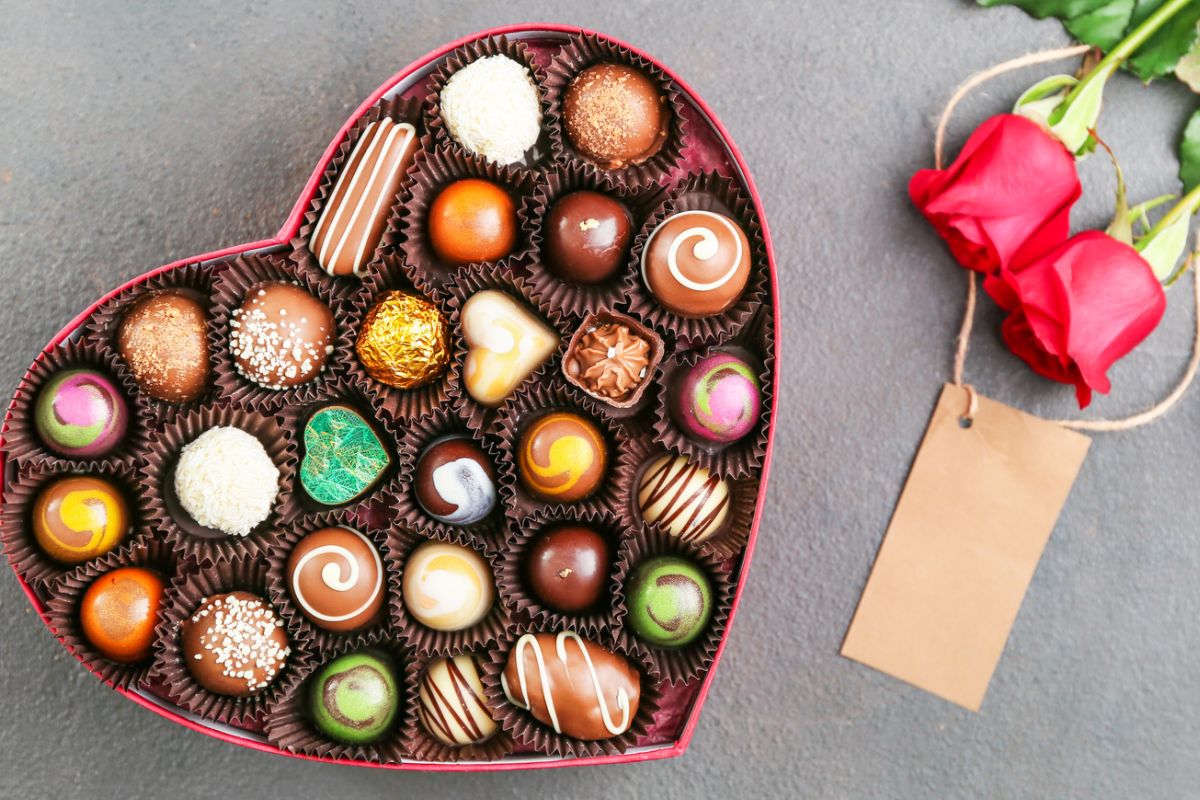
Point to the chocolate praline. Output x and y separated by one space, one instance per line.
79 517
587 236
567 568
234 644
81 413
354 698
119 611
696 263
562 457
615 115
281 335
164 342
336 578
472 220
455 481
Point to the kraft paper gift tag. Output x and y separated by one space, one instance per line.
962 546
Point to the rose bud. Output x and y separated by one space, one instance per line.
1006 199
1078 309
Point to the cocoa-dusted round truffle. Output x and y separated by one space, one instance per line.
164 342
404 341
281 335
336 578
615 115
587 236
562 457
567 568
472 220
119 611
455 481
696 263
234 644
79 517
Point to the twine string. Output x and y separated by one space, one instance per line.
968 320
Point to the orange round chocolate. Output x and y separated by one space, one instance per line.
119 611
472 220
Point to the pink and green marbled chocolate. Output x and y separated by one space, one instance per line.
81 414
718 399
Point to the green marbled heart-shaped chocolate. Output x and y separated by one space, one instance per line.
343 456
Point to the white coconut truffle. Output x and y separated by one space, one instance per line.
491 107
226 480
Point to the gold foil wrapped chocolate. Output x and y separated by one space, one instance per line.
403 341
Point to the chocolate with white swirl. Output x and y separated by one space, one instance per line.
696 263
452 706
336 578
573 685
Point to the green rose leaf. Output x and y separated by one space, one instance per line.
1060 9
1103 27
1164 50
1189 154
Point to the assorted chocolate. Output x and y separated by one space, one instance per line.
379 605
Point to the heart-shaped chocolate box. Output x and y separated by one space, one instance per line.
697 169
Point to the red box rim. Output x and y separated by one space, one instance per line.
290 227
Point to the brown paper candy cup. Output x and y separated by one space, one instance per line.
28 559
24 444
393 403
322 641
426 641
585 50
676 665
739 459
527 406
473 51
514 576
530 734
288 723
729 539
167 516
68 591
434 170
192 280
169 669
468 283
397 109
230 289
424 746
549 290
635 401
706 191
489 532
295 418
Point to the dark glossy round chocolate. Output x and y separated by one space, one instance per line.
281 335
336 578
567 568
234 644
455 481
472 220
587 236
615 115
164 341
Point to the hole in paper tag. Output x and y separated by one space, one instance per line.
975 514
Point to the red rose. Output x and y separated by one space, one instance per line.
1078 309
1006 199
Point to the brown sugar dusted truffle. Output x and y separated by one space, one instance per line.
163 340
234 644
615 115
281 335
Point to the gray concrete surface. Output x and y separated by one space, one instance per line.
130 137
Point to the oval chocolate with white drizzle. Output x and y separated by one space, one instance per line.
573 685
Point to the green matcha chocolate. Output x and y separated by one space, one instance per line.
354 698
669 600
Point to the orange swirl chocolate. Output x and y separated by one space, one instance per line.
562 457
78 518
573 685
356 213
